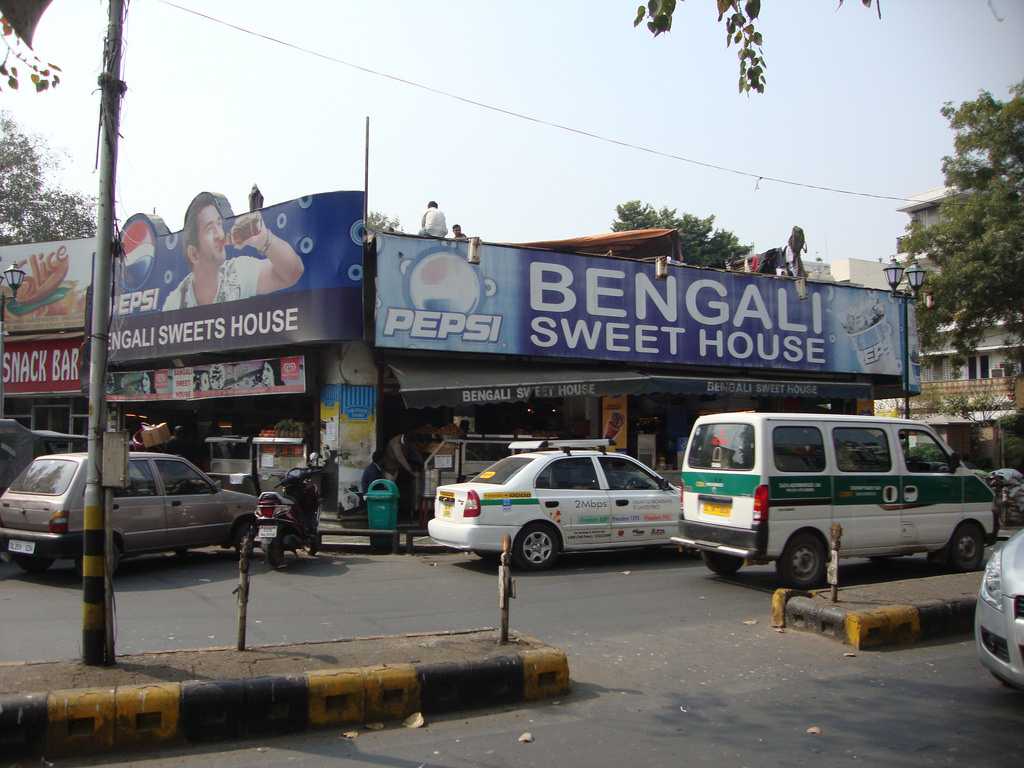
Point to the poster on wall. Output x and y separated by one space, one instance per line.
270 376
520 301
615 421
52 294
288 273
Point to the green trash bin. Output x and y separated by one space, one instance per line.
382 511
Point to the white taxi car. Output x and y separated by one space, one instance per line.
560 495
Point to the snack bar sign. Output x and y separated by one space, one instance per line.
527 302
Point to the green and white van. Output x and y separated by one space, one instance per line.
762 487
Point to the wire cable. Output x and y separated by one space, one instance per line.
530 118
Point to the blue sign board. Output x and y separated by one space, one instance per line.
530 302
289 273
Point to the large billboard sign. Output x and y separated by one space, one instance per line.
52 296
289 273
45 366
529 302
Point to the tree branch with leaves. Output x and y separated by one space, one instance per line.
17 26
741 18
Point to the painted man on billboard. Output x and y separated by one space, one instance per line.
214 278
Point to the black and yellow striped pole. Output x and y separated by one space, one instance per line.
97 631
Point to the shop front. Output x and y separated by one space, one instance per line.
43 344
518 340
232 329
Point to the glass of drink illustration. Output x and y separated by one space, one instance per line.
245 227
870 333
614 424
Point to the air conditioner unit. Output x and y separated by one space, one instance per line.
998 373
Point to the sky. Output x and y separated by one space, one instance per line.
851 102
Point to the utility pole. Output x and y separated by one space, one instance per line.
97 619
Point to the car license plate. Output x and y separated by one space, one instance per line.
22 547
267 532
716 508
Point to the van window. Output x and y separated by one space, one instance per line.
503 471
49 477
576 474
798 449
861 449
722 446
922 453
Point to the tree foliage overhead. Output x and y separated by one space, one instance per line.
17 25
381 222
740 28
702 244
33 208
978 242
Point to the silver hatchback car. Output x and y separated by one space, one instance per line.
169 505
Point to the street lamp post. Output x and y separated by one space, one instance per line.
915 278
13 277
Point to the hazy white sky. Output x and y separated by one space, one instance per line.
851 102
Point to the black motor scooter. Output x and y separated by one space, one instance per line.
289 519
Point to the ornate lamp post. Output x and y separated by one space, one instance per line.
915 278
13 277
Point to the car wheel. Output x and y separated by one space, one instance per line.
536 547
802 564
32 564
966 549
723 565
275 553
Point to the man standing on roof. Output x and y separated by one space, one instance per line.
433 222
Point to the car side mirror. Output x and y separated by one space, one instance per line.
664 484
954 461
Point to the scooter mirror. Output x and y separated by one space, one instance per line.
312 458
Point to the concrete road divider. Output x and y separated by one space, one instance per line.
97 720
887 614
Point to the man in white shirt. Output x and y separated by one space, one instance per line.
433 222
216 278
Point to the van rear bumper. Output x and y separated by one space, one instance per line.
739 542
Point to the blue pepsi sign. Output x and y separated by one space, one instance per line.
289 273
529 302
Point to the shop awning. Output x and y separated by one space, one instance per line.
439 382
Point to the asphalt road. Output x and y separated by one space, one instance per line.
665 670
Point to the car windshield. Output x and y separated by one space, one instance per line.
503 471
50 477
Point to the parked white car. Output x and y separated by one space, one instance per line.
999 617
561 495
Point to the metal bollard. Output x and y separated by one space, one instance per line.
244 557
506 585
835 537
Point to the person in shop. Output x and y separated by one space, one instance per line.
176 444
374 470
403 463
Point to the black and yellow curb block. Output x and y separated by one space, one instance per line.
96 720
885 625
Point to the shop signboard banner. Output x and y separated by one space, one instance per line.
520 301
271 376
52 295
614 418
41 367
287 274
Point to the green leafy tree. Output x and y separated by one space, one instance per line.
701 243
978 241
32 207
741 18
381 222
